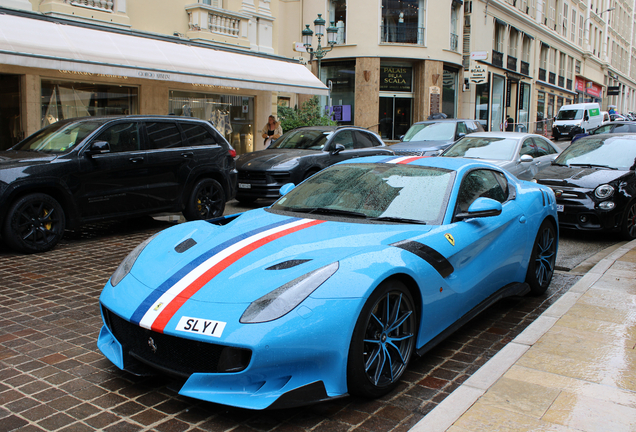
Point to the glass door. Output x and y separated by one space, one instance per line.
394 117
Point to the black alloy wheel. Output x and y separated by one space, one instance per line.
35 223
542 259
207 201
383 341
628 230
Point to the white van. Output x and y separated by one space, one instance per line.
575 119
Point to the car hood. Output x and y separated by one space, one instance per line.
266 159
429 145
252 265
13 158
578 177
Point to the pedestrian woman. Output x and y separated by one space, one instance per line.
271 131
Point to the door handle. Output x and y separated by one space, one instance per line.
136 159
187 154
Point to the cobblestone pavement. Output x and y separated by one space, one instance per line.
53 378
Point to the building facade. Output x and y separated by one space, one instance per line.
213 59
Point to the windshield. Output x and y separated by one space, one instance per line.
613 152
58 138
304 139
388 191
484 148
443 131
572 114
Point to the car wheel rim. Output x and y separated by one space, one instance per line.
388 339
37 223
544 265
631 221
209 202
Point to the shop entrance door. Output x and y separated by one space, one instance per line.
395 117
10 126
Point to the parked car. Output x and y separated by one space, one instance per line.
332 289
522 154
610 128
595 185
431 137
99 168
299 154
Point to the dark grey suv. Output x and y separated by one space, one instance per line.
102 168
431 137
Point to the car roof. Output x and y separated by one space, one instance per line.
500 134
106 119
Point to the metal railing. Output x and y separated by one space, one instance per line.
104 5
525 68
402 33
454 42
512 63
497 58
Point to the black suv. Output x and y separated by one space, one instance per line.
299 154
98 168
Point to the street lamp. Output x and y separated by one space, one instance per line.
587 30
319 26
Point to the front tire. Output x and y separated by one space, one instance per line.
207 201
628 229
34 223
542 259
383 341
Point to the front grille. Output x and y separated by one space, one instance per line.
173 354
405 152
252 177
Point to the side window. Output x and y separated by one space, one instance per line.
197 135
163 135
528 148
477 184
603 129
363 140
543 148
461 128
621 128
345 138
122 137
471 126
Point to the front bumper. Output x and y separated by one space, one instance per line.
569 130
578 210
262 184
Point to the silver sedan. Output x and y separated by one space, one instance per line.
521 154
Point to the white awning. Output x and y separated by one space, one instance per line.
66 47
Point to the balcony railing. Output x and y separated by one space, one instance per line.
512 63
454 42
568 84
402 33
497 58
561 81
525 68
207 22
552 78
224 24
103 5
542 74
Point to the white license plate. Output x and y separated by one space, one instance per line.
244 186
201 326
559 207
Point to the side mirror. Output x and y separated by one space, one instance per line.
461 135
586 118
401 137
338 149
526 158
284 190
98 147
482 207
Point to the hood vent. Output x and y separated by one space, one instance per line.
185 245
287 264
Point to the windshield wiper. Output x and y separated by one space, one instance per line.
397 219
594 166
327 211
558 164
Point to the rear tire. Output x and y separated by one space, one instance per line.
34 223
542 259
383 341
207 201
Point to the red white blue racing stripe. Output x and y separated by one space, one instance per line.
163 303
401 159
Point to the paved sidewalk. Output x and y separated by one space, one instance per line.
573 369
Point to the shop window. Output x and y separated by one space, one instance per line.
540 111
340 76
449 93
338 16
403 21
64 100
481 104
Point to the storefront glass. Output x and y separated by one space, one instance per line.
550 114
10 124
449 93
497 103
482 98
64 100
403 21
395 117
540 112
233 116
342 76
524 106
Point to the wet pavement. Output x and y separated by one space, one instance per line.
53 378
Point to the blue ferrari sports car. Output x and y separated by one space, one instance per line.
332 289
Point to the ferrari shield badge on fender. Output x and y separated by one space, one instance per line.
450 239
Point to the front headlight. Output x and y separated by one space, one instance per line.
285 298
126 265
604 191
